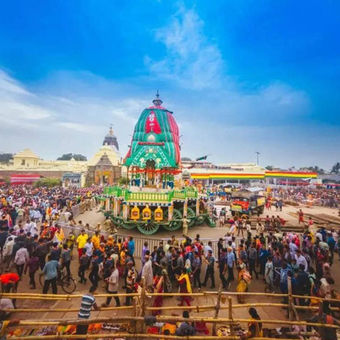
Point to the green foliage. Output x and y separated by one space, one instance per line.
316 169
69 156
47 182
269 167
5 157
335 168
123 181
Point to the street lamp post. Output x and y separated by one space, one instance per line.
257 157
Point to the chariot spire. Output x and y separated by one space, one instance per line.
157 101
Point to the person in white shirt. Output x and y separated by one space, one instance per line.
7 251
318 235
31 227
227 238
21 259
300 259
88 248
259 228
36 215
112 287
147 271
293 248
232 229
207 248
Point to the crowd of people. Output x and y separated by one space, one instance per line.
318 196
34 244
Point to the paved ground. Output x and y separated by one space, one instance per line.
93 217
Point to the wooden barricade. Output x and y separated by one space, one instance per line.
140 310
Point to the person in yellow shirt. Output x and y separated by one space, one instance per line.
70 240
81 241
59 236
122 257
119 244
96 240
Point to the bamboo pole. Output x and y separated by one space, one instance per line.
248 294
63 296
13 296
179 294
75 296
135 312
290 315
217 308
142 304
134 307
171 319
61 310
230 308
198 308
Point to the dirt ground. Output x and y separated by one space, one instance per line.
93 217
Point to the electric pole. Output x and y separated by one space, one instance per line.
257 157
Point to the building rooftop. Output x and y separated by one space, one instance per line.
26 153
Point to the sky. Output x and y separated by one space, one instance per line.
240 76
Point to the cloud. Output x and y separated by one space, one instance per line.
194 63
10 86
53 121
191 59
19 106
217 114
75 126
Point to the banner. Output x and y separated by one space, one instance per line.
151 124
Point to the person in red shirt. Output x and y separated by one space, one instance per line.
301 220
9 282
310 222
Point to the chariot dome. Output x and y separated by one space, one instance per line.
155 141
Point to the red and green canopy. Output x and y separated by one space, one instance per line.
155 139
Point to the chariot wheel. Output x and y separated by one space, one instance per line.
129 225
200 220
148 228
176 222
191 217
211 223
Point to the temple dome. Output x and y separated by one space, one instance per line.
107 150
26 153
111 140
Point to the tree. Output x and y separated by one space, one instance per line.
314 168
47 182
269 167
5 157
69 156
335 168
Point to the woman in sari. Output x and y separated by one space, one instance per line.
184 287
244 280
158 282
254 327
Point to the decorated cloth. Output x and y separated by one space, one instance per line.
184 281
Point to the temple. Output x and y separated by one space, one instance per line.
111 139
103 168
